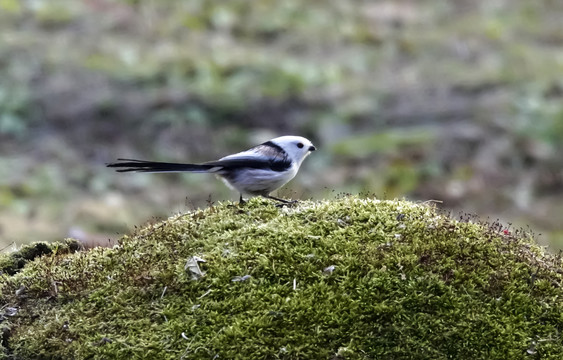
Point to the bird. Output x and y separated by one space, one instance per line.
257 171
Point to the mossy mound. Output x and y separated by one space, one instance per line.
346 279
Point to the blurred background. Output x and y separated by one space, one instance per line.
459 101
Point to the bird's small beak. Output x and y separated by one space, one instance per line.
312 148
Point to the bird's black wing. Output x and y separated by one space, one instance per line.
251 162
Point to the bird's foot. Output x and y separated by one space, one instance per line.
282 202
287 203
240 203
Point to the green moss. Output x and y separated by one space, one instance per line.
406 282
13 262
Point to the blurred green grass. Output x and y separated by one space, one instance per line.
401 97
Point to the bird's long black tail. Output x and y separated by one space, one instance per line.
126 165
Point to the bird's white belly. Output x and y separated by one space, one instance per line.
258 181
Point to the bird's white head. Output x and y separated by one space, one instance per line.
296 147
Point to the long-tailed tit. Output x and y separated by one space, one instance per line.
256 171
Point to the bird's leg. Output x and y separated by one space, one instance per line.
283 202
241 200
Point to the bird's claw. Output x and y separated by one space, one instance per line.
287 203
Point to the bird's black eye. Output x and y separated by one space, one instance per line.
300 145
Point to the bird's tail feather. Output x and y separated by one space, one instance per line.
126 165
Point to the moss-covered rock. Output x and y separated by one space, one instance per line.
346 279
